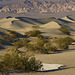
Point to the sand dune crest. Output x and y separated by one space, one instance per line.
51 24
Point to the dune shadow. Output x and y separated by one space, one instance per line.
1 47
71 67
20 72
21 36
7 42
70 49
24 20
61 51
70 18
1 33
72 44
64 20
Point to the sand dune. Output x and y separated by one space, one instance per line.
32 21
67 19
49 28
51 24
15 24
6 23
26 24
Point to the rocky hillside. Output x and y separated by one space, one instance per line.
41 6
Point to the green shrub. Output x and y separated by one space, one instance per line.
65 30
68 40
12 50
40 36
7 38
21 43
63 43
13 33
35 27
33 33
49 47
32 47
1 42
20 62
41 43
43 46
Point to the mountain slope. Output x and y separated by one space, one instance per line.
40 6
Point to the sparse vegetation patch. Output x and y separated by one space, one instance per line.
33 33
19 62
63 43
1 42
21 43
42 46
7 38
65 30
13 33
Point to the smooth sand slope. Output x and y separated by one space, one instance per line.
51 24
6 23
51 29
25 24
15 24
67 19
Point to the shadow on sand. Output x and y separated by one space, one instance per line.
24 19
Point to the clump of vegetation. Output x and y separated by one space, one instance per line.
10 50
42 46
19 62
1 42
63 43
40 36
33 33
13 33
49 47
7 38
35 27
65 30
68 40
21 43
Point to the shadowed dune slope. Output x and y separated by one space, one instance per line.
72 17
68 19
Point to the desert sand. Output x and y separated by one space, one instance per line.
67 19
51 24
66 58
49 29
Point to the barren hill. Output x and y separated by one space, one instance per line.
39 6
